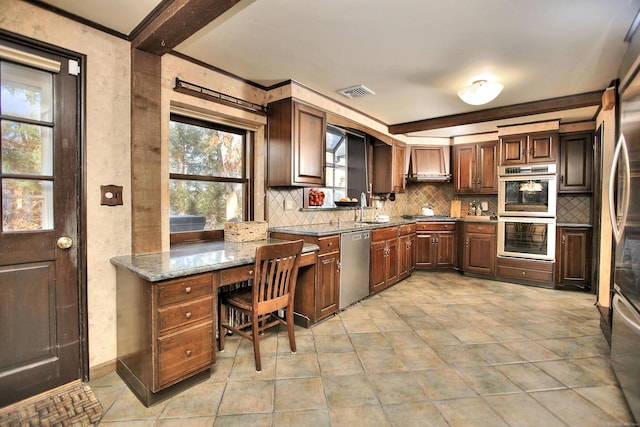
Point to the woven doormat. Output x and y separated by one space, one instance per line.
73 404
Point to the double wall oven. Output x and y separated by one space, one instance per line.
527 211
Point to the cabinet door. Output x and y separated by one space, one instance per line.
425 250
512 149
464 168
487 168
377 266
412 253
399 167
403 253
309 145
573 256
542 147
445 252
328 295
391 262
576 163
480 253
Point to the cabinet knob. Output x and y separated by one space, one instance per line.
466 241
330 244
250 273
187 289
187 315
564 237
188 353
524 273
339 266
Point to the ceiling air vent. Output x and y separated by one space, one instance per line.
356 92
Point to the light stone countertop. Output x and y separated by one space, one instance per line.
193 258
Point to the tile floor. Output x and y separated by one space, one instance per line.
437 349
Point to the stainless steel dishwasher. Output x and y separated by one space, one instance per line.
355 249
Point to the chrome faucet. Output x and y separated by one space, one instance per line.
363 203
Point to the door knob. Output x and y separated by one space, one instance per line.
64 242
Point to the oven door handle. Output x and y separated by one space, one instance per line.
621 150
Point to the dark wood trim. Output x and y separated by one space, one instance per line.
77 18
146 188
588 99
178 21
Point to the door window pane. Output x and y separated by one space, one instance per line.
26 149
204 205
25 92
27 205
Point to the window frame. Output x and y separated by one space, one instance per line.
245 180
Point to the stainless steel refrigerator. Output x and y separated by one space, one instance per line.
624 205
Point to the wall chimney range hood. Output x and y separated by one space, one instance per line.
429 163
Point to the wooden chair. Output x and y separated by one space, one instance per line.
272 288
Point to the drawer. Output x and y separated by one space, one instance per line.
329 244
184 289
407 229
236 274
185 314
524 274
184 354
526 264
480 228
434 226
386 233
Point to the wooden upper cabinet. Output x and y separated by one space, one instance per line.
399 168
541 147
296 141
475 168
388 167
576 163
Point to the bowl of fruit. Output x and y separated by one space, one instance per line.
346 202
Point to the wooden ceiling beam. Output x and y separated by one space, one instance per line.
588 99
176 22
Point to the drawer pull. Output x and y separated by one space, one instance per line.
330 244
188 289
524 273
188 353
188 315
250 273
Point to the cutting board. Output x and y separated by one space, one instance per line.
456 210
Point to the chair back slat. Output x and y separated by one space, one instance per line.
275 273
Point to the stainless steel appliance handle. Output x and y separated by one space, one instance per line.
621 305
621 149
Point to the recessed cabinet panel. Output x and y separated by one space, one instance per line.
296 138
475 168
576 163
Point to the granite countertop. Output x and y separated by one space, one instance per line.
336 227
193 258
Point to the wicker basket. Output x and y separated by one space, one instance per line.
245 231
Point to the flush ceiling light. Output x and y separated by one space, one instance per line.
480 92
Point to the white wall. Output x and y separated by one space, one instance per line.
108 140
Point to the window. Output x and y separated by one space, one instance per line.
336 165
347 165
208 180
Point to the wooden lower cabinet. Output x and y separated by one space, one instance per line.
318 290
165 333
573 257
406 251
479 252
383 270
435 245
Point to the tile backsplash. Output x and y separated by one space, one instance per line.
570 208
